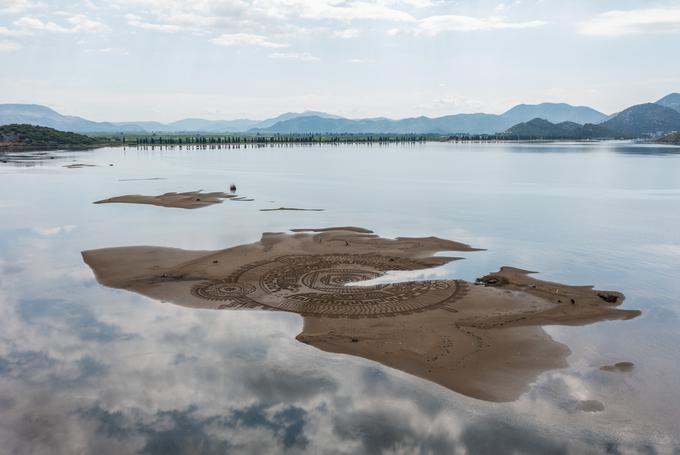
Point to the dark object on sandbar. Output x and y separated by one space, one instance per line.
609 298
491 280
232 188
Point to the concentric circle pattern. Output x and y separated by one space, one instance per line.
323 286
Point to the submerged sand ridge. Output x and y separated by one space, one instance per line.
484 340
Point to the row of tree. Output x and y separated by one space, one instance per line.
278 139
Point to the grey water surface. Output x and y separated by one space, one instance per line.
88 369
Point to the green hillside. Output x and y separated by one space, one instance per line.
673 139
30 135
645 120
543 129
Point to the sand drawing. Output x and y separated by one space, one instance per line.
484 339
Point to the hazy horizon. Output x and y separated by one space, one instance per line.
164 60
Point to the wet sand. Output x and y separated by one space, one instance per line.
188 200
485 341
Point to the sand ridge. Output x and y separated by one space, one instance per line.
483 340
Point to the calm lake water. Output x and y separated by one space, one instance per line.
88 369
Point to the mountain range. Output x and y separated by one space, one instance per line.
672 101
663 116
642 120
449 124
35 114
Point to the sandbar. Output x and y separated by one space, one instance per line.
619 367
482 340
188 200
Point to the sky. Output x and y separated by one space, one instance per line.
164 60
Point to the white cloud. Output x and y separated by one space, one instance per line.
245 39
348 11
302 57
79 23
347 33
17 6
34 24
617 23
453 23
82 23
258 16
136 21
25 28
268 23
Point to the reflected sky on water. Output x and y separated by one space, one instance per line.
87 369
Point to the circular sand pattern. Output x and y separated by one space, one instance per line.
314 285
221 290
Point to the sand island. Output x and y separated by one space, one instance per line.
483 340
188 200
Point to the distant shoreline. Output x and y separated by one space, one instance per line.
13 148
261 141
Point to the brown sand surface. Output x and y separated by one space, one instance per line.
619 367
336 228
484 341
281 209
188 200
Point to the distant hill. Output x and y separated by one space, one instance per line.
462 123
450 124
293 115
543 129
648 119
554 112
642 120
672 101
34 114
30 135
673 139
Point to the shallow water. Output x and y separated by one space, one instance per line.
84 368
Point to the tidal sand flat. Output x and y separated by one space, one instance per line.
188 200
485 341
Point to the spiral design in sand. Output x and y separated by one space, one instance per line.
320 285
